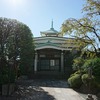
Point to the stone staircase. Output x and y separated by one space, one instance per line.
48 75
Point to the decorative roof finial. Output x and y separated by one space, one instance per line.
52 24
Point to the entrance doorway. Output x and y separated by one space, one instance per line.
49 65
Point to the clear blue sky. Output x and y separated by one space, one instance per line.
37 14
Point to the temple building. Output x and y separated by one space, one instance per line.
52 50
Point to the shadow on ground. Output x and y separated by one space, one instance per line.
32 93
29 93
45 83
32 89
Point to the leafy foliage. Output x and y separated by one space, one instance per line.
75 81
16 47
26 51
78 63
92 7
94 64
86 79
86 30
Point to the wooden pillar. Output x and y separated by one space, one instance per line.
35 62
62 62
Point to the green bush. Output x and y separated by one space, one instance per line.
80 72
77 63
86 80
75 81
94 64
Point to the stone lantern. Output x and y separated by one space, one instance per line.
89 97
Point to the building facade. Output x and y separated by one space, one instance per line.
52 50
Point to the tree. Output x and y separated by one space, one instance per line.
5 33
26 51
86 30
92 8
77 63
86 33
15 38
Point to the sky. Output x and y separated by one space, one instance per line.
38 14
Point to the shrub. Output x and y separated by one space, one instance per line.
75 81
80 72
77 63
94 64
86 80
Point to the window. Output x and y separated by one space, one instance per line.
52 62
57 62
42 55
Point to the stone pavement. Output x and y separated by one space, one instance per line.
44 90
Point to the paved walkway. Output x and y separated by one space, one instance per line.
45 90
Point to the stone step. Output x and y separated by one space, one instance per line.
48 75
